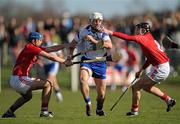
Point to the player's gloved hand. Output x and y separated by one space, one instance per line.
89 38
68 62
69 57
72 45
139 73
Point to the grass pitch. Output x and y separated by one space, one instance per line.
72 109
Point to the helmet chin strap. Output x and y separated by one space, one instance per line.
142 31
95 29
33 42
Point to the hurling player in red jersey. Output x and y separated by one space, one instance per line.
155 57
24 85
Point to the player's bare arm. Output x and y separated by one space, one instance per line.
91 39
51 57
119 35
107 31
104 44
107 44
57 47
139 73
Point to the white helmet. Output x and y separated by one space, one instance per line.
96 15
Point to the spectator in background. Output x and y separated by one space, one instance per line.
30 25
55 37
133 64
19 38
3 42
12 30
65 27
120 68
49 24
51 68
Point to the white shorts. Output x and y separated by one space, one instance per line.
159 73
21 84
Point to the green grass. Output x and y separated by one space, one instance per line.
72 109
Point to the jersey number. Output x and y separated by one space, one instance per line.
159 47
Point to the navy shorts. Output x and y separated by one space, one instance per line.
98 68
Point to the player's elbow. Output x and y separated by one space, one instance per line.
108 46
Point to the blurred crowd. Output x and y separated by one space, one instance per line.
14 32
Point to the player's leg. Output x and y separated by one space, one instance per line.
29 85
99 75
84 77
101 91
136 96
156 75
17 104
149 87
23 86
46 87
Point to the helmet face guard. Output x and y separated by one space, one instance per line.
96 16
35 35
144 25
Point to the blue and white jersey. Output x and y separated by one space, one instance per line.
88 45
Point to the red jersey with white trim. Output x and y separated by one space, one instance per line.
26 59
151 49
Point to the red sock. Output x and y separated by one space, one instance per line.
44 107
165 97
135 108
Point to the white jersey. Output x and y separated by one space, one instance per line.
88 45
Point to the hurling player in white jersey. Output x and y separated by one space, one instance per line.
91 38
